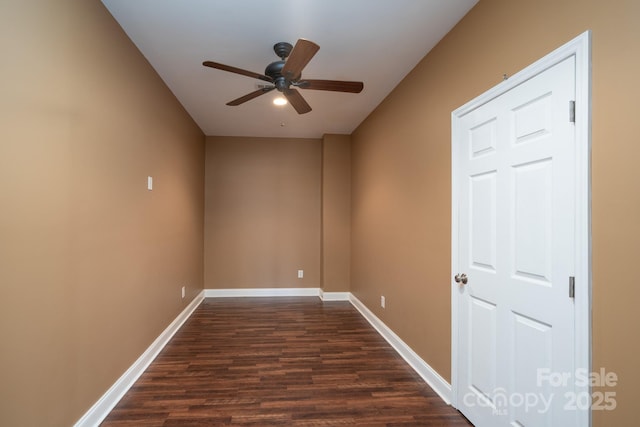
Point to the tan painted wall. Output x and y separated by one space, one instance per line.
401 176
262 220
91 263
336 213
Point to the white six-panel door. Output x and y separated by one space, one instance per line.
515 168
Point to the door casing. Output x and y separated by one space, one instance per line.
580 48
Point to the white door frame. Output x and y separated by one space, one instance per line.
580 48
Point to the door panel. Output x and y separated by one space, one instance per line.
531 349
531 221
483 343
482 214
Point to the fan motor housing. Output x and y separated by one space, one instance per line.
274 70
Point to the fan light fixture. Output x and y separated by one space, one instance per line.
285 76
280 101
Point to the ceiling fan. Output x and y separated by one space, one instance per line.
286 74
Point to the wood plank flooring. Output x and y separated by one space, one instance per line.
280 361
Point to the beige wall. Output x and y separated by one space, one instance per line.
262 220
336 213
401 176
274 206
91 263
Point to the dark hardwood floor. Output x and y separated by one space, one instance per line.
280 361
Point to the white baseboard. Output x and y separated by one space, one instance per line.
99 411
431 377
334 296
262 292
277 292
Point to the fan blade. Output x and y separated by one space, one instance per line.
297 101
237 71
300 56
250 96
334 85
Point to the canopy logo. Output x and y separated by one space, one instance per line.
500 400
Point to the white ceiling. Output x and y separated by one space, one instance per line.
374 41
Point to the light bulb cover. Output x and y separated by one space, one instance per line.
280 101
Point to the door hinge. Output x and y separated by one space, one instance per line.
572 287
572 111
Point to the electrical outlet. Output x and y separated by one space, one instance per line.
300 274
184 291
382 301
149 183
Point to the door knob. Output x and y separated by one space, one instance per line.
461 278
